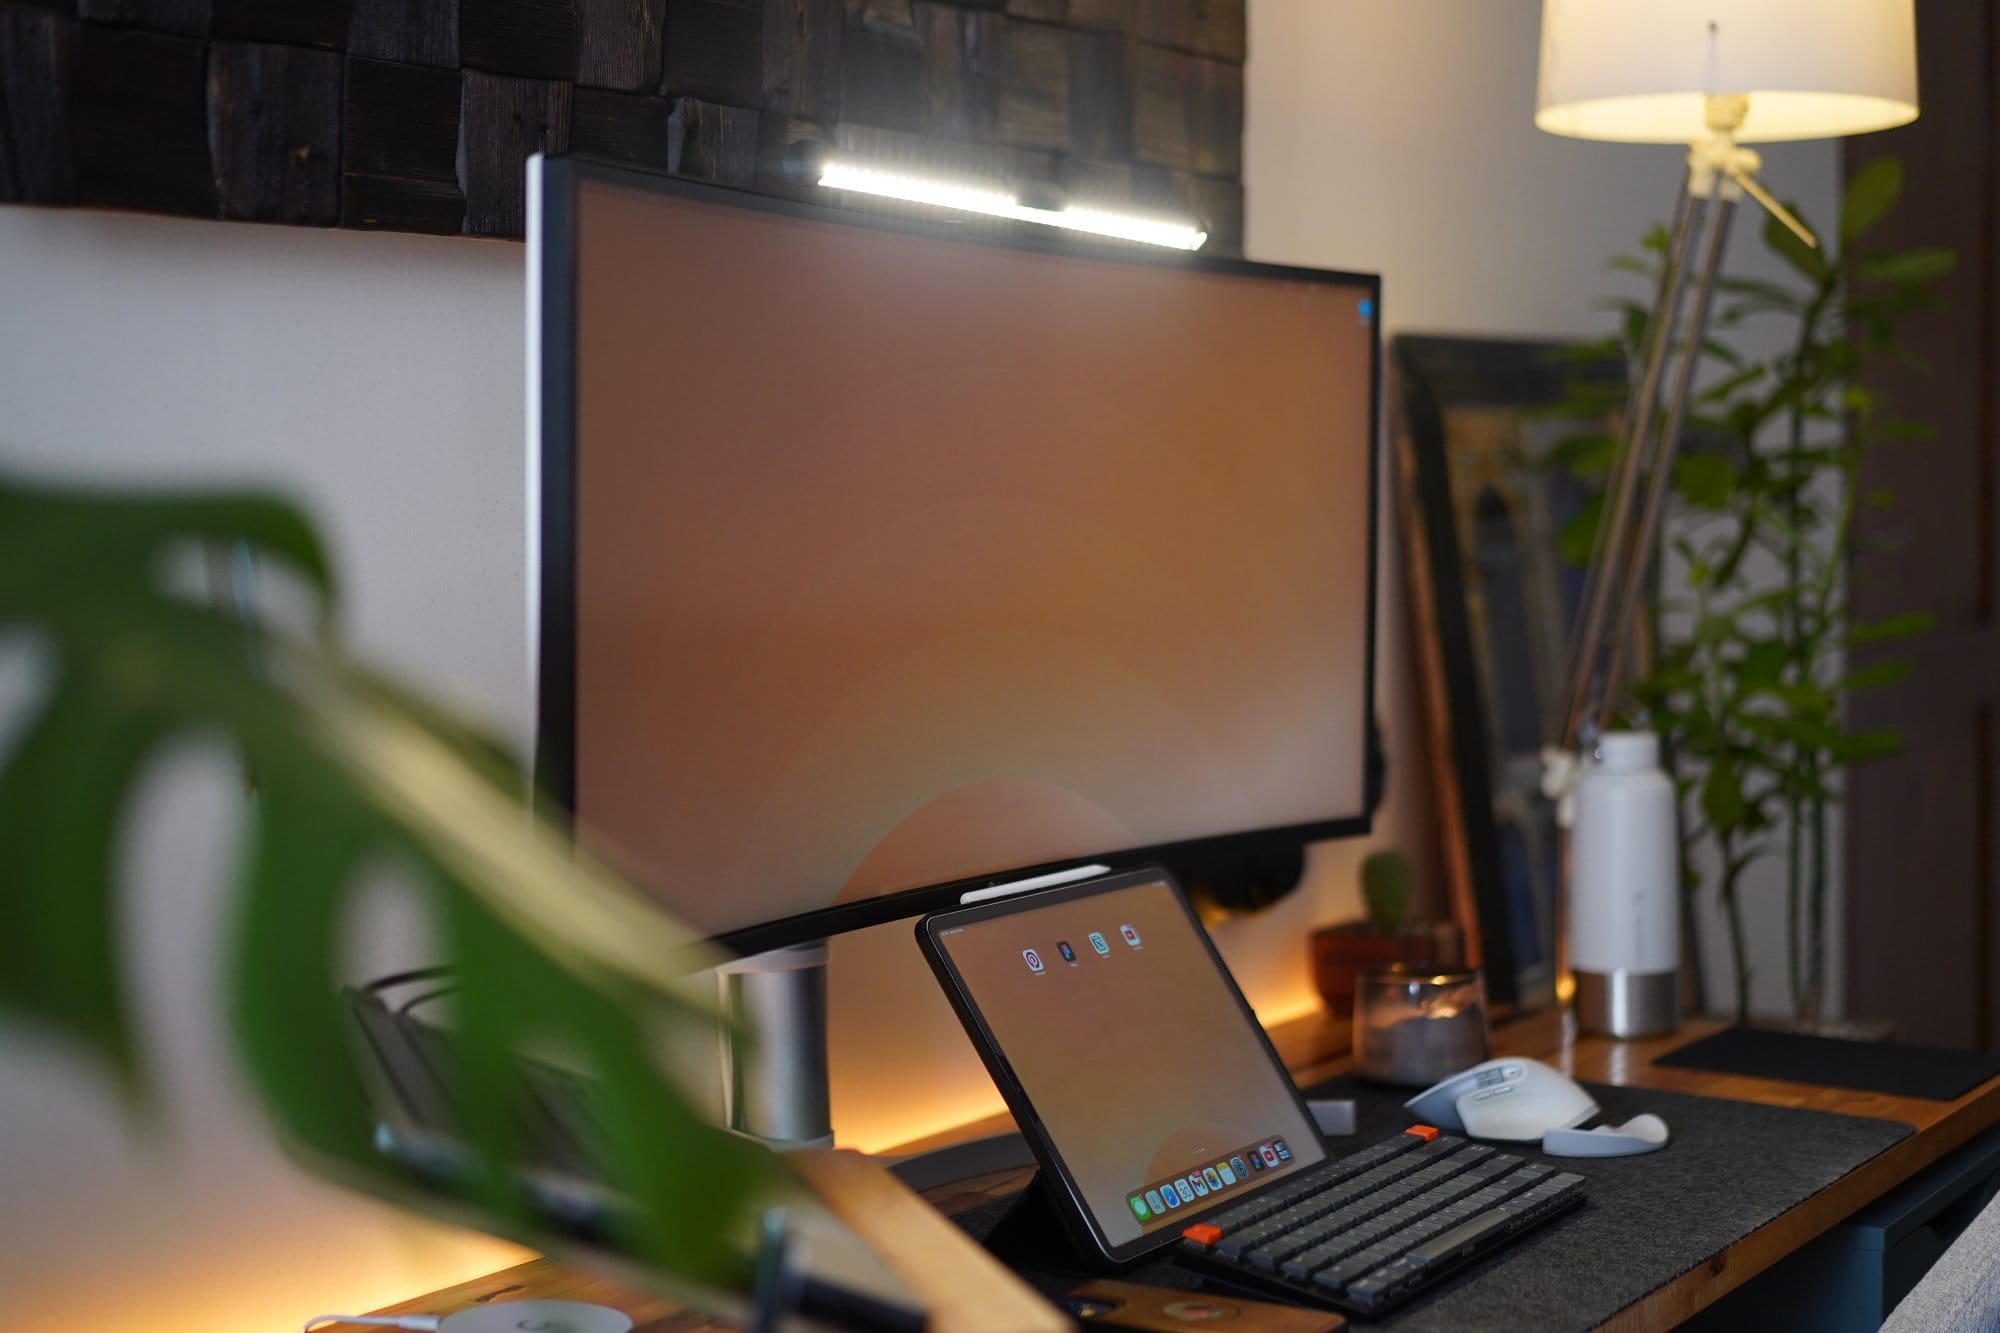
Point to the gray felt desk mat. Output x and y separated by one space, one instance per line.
1731 1167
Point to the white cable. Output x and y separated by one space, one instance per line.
427 1322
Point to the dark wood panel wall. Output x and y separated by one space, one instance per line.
416 114
1923 828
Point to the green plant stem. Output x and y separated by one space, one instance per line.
1815 996
1810 1001
1732 911
1801 756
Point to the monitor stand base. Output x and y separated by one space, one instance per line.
775 1087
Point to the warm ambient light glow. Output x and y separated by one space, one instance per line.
995 202
1643 72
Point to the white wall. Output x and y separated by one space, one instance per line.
377 378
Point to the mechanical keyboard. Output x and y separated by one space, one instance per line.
1365 1232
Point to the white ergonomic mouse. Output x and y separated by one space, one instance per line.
537 1317
1514 1099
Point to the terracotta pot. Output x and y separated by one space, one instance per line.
1342 952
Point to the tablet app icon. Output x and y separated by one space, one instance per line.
1131 935
1097 942
1068 954
1200 1185
1139 1208
1157 1203
1242 1167
1269 1154
1214 1181
1228 1176
1171 1195
1284 1153
1033 959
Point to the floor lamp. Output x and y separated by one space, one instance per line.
1714 75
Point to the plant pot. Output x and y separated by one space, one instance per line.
1342 952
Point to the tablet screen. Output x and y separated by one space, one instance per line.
1136 1052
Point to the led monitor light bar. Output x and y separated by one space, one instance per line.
996 201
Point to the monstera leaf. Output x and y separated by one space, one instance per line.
548 949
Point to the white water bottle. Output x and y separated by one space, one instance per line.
1624 891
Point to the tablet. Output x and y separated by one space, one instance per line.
1132 1063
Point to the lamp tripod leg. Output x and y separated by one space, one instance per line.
1611 546
1721 210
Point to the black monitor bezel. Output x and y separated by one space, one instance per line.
556 520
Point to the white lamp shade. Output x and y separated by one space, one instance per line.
1640 71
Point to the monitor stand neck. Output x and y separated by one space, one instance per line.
775 1086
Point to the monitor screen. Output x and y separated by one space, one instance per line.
875 559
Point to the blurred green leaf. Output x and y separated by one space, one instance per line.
1634 322
1873 676
61 798
1722 802
1579 533
1861 633
351 769
1871 193
1585 456
1860 746
1763 663
1909 266
1703 480
1731 385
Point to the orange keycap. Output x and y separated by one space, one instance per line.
1424 1132
1201 1233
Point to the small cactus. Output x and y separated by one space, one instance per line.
1385 890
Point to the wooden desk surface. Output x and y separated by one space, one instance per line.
1315 1047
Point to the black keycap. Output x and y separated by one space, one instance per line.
1234 1243
1352 1267
1241 1216
1493 1222
1369 1292
1397 1272
1307 1262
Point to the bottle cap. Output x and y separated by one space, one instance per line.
1628 752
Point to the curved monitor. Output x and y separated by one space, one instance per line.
878 560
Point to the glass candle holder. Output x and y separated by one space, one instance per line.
1413 1027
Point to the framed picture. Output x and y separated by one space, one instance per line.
1484 502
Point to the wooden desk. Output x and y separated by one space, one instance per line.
1316 1047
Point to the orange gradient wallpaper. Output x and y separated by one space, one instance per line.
904 560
